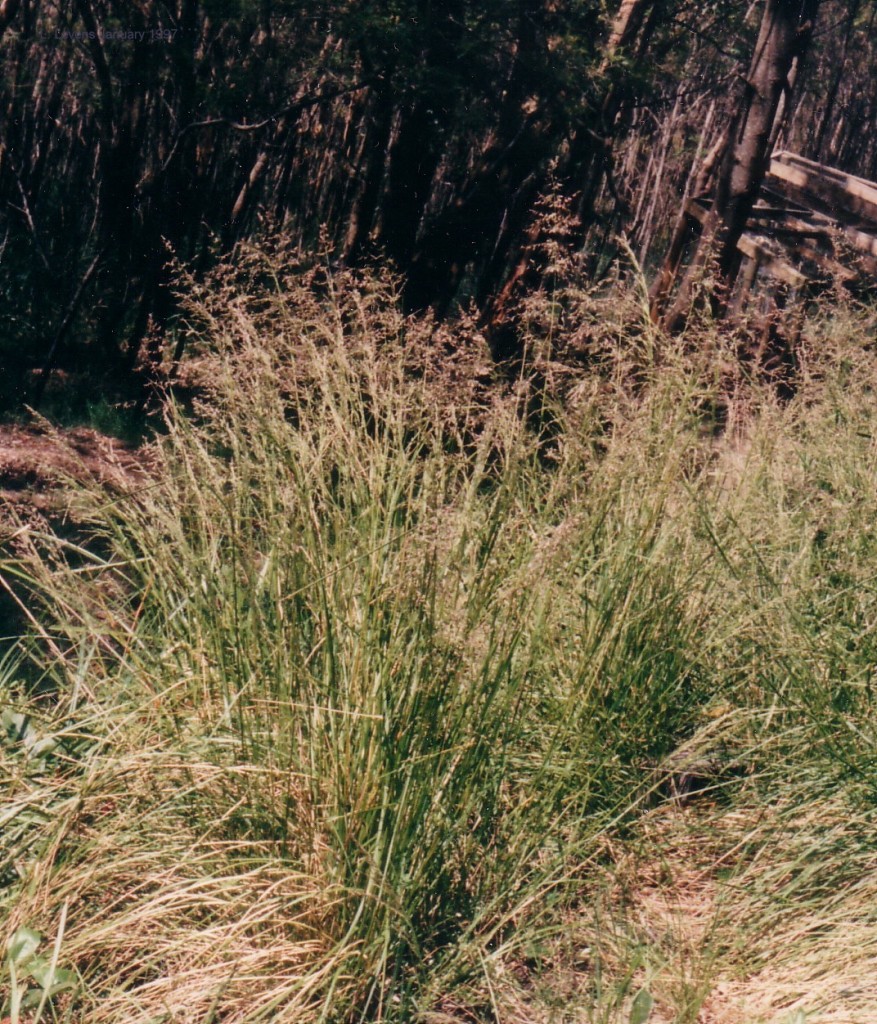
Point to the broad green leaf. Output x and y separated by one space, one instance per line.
42 746
23 945
642 1007
63 981
14 723
40 969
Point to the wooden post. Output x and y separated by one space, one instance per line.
750 273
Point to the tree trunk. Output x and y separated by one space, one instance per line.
377 126
831 96
587 163
785 33
626 26
8 10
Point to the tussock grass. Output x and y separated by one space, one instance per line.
365 706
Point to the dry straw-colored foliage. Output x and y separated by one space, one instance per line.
383 699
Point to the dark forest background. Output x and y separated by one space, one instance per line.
433 135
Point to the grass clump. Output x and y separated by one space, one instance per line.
360 708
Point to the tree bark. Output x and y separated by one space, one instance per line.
626 26
784 35
8 10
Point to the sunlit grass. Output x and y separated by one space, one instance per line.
364 707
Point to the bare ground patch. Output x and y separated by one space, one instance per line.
39 464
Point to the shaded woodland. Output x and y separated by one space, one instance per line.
430 135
